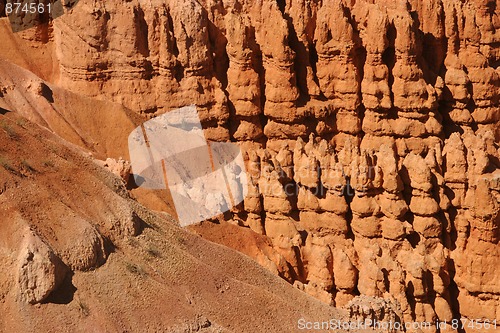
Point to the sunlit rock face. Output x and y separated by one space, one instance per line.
369 129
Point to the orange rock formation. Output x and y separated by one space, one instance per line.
370 130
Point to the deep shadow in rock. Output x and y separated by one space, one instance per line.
65 293
47 93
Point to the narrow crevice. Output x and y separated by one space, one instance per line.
348 191
218 50
174 47
454 291
141 32
412 238
348 194
281 5
313 61
360 60
449 126
258 66
410 296
389 56
430 293
302 57
433 55
387 284
301 273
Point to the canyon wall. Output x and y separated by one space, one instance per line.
370 129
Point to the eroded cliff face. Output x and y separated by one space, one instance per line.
370 130
78 254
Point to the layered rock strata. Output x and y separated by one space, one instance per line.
370 130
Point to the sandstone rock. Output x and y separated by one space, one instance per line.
120 168
307 200
334 203
348 122
393 229
125 223
393 206
363 172
273 191
387 163
40 271
243 88
317 292
427 226
456 161
375 84
485 204
425 313
284 159
423 205
84 249
252 202
363 308
364 206
475 307
254 222
344 272
332 174
323 223
337 76
246 129
319 259
420 79
461 116
443 310
366 227
456 81
277 130
306 166
419 173
279 226
277 205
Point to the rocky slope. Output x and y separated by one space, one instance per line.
371 130
78 254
